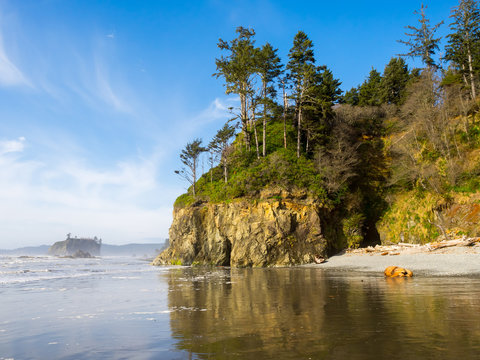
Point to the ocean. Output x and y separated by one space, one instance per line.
123 308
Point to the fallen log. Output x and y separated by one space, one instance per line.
451 243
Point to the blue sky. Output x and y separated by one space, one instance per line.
97 98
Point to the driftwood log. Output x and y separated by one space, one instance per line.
398 248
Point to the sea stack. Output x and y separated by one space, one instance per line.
70 246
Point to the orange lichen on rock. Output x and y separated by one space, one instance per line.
395 271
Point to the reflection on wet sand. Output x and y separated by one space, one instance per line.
309 313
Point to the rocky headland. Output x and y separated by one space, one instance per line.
284 228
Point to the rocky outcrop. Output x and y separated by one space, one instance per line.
420 220
72 246
284 228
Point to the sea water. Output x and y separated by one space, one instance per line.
123 308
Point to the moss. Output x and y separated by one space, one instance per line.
410 218
352 229
184 200
176 262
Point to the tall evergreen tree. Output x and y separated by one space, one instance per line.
269 68
301 67
220 145
421 40
285 109
396 77
238 68
325 92
370 92
463 48
189 157
350 97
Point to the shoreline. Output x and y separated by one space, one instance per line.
452 261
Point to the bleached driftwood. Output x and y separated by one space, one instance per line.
457 242
398 248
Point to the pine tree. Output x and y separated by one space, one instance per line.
421 40
350 97
269 68
238 68
324 93
220 145
463 48
370 92
301 67
396 77
189 157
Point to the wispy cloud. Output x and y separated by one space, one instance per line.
10 74
43 200
11 146
218 109
106 92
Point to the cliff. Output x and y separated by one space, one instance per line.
283 228
71 246
420 219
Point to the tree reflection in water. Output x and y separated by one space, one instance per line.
301 313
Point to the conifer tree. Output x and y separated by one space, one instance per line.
285 108
351 97
269 68
463 48
324 93
301 67
370 92
422 42
189 157
221 143
396 77
238 68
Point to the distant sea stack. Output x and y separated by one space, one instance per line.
72 246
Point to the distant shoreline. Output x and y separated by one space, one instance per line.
455 261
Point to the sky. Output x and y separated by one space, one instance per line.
97 99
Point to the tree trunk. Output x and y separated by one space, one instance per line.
225 169
264 119
254 122
244 119
285 105
194 173
299 124
472 77
306 146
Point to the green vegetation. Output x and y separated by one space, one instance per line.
386 154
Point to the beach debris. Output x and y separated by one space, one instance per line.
318 260
397 249
464 241
395 271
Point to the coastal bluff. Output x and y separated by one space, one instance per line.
283 228
72 246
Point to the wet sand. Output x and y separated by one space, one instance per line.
454 261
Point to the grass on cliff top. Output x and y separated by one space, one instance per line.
249 175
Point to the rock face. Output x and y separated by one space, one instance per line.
430 218
73 246
284 229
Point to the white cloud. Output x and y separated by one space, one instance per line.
10 75
106 92
12 146
42 201
219 109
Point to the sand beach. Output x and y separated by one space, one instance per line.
435 259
